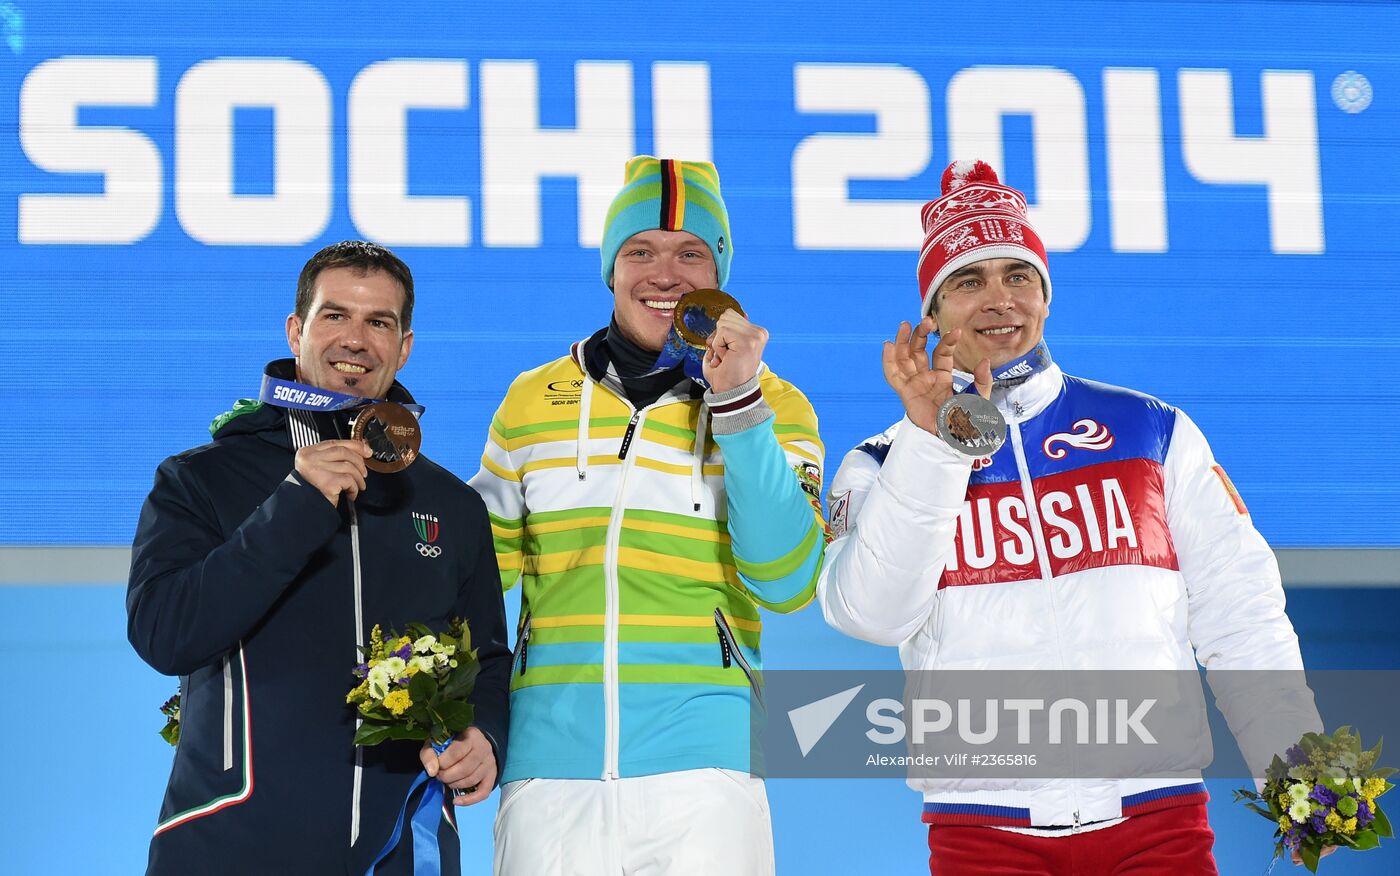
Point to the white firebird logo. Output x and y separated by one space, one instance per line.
1087 435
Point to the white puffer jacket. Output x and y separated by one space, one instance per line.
1102 535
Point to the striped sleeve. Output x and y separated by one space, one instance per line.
772 476
499 483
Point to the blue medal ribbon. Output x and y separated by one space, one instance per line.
290 394
677 352
1013 373
427 859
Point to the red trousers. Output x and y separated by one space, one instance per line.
1170 842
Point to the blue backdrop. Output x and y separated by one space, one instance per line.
1216 182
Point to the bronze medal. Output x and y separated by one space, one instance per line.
698 311
392 433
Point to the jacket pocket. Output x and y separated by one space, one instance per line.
730 654
522 646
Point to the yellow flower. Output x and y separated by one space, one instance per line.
376 639
398 702
1374 788
1349 826
400 642
1284 800
359 694
1285 823
1333 821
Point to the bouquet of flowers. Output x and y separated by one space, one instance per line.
1323 794
415 685
171 710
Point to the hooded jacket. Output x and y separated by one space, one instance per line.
257 592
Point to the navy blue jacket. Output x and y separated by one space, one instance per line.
255 590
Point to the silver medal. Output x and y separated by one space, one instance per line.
971 425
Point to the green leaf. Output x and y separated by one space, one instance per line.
371 734
461 682
456 715
422 688
1262 811
1246 795
1310 854
1382 824
1366 840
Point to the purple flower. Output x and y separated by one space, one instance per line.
1318 823
405 652
1324 795
362 670
1291 839
1295 756
1364 815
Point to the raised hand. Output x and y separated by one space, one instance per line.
733 352
923 388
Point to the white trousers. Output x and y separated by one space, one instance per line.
689 823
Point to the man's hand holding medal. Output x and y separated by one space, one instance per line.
931 399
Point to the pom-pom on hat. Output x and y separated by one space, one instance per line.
674 196
976 218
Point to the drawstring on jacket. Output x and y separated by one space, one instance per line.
697 469
584 414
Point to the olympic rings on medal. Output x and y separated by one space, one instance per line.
429 550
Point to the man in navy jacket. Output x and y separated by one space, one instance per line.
260 564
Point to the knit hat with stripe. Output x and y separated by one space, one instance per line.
673 196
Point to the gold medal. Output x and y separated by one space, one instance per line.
392 433
698 311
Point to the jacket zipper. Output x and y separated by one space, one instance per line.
359 644
1043 556
524 645
611 708
730 653
228 713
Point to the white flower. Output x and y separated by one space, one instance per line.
378 681
1299 811
441 659
394 666
422 664
1299 791
437 647
423 645
1347 760
1358 783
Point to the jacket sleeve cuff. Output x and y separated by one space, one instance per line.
737 409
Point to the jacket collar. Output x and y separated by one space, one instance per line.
1026 400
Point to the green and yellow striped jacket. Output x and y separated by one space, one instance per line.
645 546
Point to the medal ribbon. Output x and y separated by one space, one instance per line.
427 859
1013 373
677 352
290 394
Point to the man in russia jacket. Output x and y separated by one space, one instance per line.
1101 535
260 564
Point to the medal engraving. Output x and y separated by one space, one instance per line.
971 425
392 433
698 311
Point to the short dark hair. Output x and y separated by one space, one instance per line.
367 258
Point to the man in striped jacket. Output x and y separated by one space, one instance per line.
648 519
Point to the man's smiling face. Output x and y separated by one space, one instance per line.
1000 306
352 340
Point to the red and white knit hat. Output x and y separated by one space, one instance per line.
977 218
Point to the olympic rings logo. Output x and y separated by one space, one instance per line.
429 550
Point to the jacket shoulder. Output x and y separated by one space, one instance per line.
788 402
